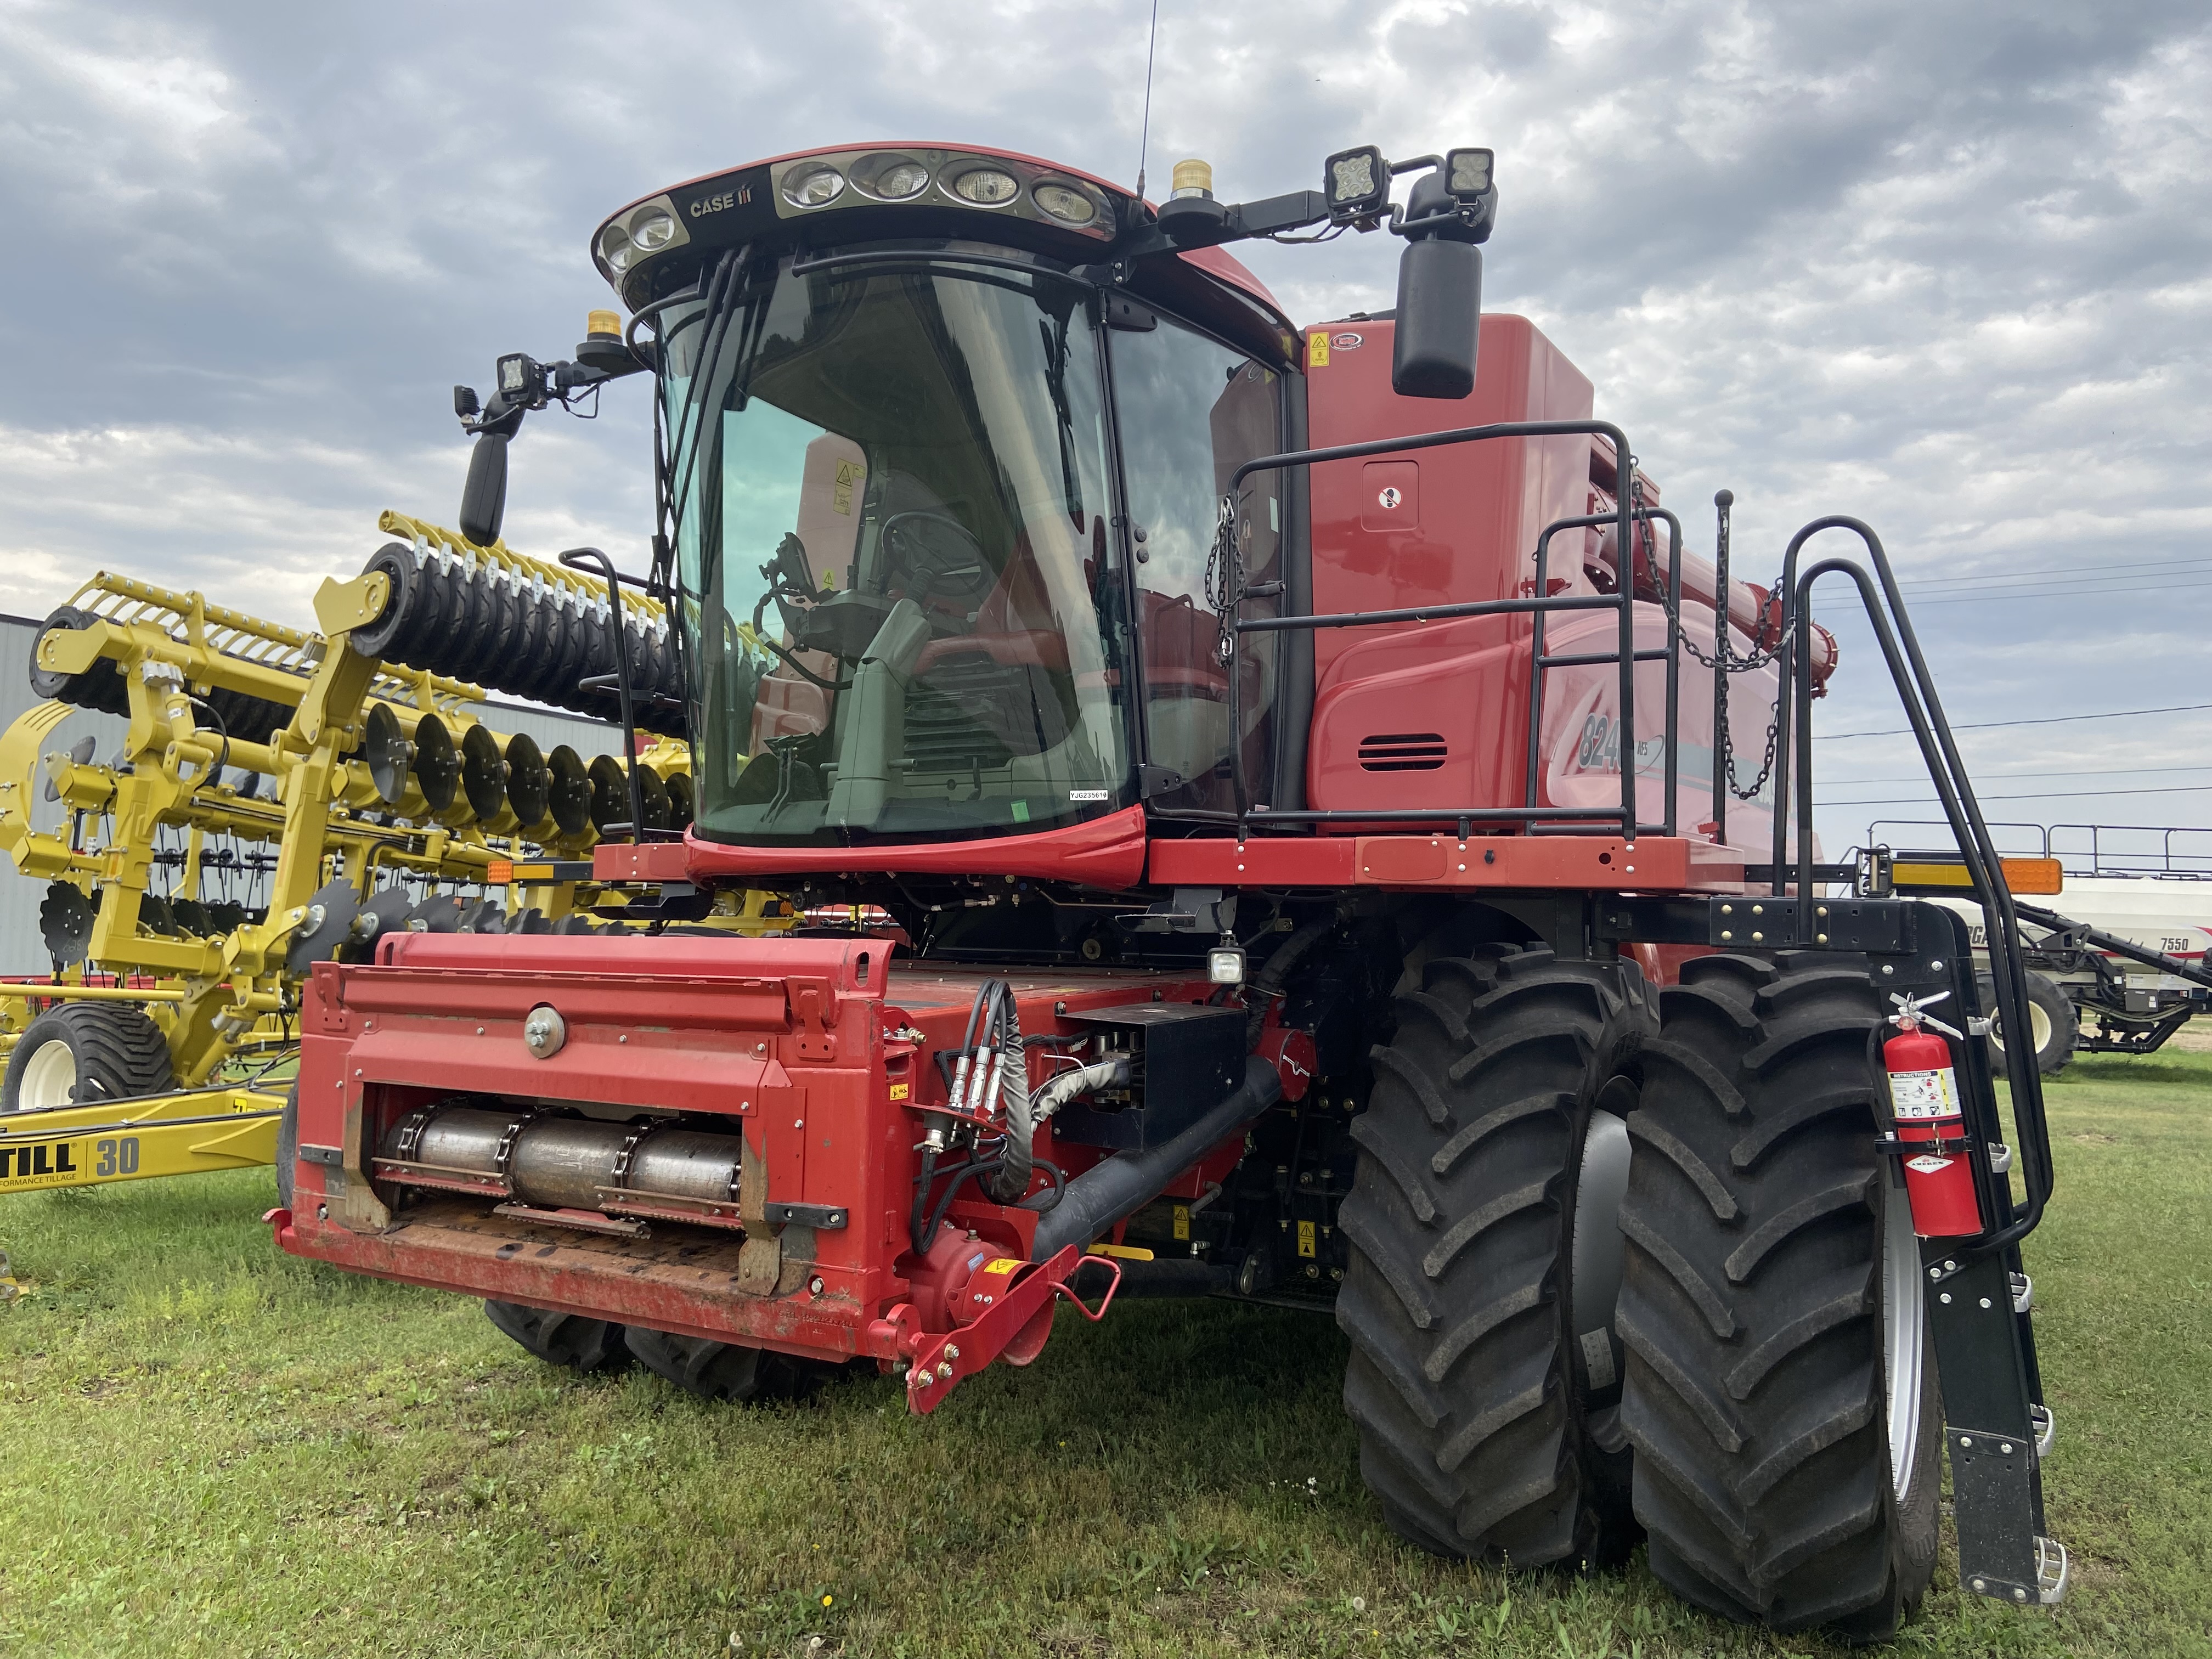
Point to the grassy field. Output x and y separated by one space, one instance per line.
213 1448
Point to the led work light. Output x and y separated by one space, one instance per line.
1356 182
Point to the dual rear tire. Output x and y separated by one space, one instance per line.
1717 1341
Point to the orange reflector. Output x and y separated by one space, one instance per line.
2027 876
499 872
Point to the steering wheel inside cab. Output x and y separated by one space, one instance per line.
929 558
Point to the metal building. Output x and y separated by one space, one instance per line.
20 951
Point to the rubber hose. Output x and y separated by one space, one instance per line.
1057 1092
1281 964
1106 1192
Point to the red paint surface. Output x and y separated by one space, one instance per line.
1658 863
1107 852
793 1043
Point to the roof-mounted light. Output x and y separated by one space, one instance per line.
889 177
813 187
647 229
987 187
1065 202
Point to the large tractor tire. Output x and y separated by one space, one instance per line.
2052 1022
1781 1390
1485 1261
82 1053
562 1338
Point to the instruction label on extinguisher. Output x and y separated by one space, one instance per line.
1923 1094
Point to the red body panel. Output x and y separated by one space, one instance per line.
1448 526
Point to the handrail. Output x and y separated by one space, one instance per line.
1946 772
1624 601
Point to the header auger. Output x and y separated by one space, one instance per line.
1270 808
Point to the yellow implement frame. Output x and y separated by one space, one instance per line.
191 1132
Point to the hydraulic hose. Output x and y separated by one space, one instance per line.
1268 983
1070 1086
1108 1192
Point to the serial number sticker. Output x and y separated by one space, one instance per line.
1088 794
1004 1264
1923 1094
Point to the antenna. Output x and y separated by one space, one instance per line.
1145 138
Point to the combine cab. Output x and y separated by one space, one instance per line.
1265 805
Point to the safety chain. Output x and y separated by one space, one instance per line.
1224 579
1724 737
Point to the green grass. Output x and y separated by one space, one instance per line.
210 1448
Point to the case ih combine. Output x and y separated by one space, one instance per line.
1280 789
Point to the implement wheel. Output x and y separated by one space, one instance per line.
560 1339
2052 1021
82 1053
1485 1378
1781 1393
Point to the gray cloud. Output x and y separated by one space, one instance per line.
1944 266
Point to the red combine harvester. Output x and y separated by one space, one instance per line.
1261 840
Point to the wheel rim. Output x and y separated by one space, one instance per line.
2039 1027
1904 1336
49 1076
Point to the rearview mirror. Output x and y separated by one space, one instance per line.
1439 318
483 498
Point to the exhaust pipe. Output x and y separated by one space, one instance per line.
1125 1183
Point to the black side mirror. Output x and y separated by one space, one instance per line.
1440 297
483 498
1439 319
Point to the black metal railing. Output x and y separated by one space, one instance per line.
1626 518
1931 730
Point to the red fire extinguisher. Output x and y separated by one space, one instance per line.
1924 1092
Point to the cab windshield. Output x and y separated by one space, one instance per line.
890 484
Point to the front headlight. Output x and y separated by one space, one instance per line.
985 187
813 187
652 230
616 248
901 180
1070 207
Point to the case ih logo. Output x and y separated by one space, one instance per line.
1348 342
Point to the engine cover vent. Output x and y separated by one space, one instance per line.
1403 751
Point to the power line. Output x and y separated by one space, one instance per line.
2049 572
1988 725
1999 777
2057 593
2045 795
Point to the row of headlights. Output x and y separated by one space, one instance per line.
903 179
647 230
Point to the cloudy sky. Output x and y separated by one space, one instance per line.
1942 265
